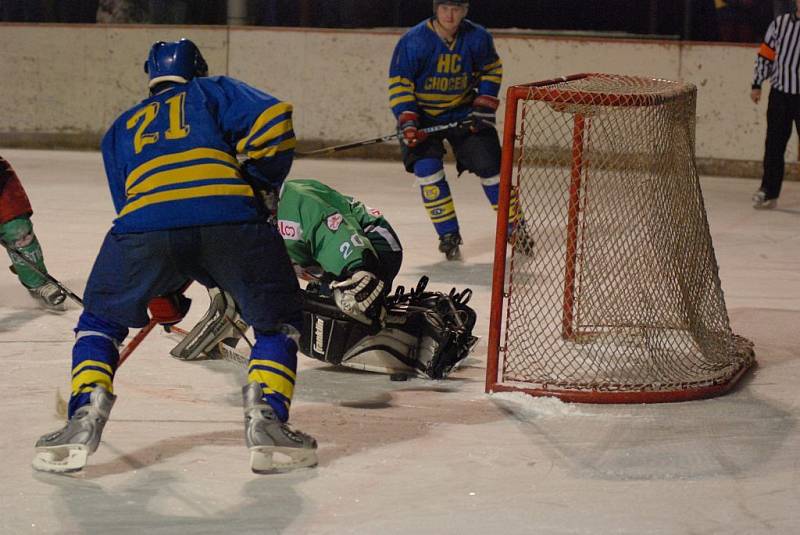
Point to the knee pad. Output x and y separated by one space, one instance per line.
429 171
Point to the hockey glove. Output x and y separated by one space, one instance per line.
408 125
169 309
484 109
360 297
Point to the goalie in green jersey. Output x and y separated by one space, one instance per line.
350 255
346 246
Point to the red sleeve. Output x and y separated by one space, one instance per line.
13 200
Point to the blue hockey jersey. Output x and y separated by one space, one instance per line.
438 80
171 159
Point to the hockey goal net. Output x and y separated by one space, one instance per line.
618 298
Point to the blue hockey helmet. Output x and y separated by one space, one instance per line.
179 61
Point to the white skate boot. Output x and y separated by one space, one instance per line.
49 296
67 449
273 445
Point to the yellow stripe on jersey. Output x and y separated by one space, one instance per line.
183 174
495 79
432 111
402 81
269 152
265 117
187 193
179 157
272 364
495 65
399 91
399 100
275 131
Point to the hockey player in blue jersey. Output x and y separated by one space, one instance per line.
186 211
444 70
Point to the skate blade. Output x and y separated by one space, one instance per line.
61 459
275 459
454 256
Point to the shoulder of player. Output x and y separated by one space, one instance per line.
474 30
419 35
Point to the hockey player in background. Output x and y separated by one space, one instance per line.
446 70
16 230
185 212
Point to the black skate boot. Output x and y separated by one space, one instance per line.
449 245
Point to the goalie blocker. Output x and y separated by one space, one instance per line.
428 333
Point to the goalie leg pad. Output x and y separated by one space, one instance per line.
327 332
389 351
221 324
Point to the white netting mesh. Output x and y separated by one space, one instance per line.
621 291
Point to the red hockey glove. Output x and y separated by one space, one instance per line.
408 124
169 309
484 108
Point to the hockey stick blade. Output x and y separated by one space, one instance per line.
17 253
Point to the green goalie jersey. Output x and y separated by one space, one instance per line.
322 227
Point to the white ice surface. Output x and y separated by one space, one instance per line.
404 457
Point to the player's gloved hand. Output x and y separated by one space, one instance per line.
483 114
408 125
169 309
360 296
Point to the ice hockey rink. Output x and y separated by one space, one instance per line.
414 457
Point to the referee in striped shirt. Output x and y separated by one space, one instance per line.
779 61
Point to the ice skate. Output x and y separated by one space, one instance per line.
760 201
449 245
273 445
49 296
67 449
220 325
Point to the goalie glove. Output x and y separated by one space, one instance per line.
484 109
360 297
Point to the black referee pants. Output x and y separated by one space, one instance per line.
782 111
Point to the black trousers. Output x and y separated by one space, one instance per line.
783 110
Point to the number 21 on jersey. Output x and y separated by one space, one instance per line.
140 120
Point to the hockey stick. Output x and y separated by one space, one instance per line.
16 252
382 139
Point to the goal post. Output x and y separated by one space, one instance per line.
619 299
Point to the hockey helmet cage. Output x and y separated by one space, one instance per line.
177 61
